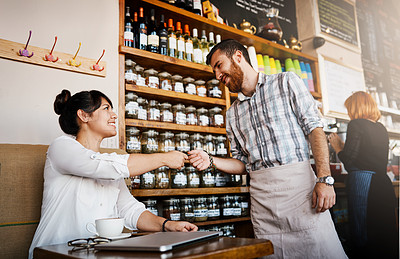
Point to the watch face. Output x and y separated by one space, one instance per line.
330 180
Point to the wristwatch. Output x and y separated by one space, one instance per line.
326 179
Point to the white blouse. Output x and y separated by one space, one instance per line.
80 186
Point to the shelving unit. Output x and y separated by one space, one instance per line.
188 191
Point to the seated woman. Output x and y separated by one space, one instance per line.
370 194
82 185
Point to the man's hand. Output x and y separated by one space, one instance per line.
180 226
323 197
199 159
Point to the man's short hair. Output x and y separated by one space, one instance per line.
229 47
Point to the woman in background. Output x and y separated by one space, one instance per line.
370 194
82 185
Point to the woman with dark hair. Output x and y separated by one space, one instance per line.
82 185
370 194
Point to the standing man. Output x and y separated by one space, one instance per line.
269 127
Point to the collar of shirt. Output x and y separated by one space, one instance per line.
243 97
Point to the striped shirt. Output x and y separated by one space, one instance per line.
269 128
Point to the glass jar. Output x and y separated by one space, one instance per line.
213 207
141 79
177 84
209 145
151 205
187 210
171 209
213 89
153 111
132 140
181 142
196 141
227 209
135 182
166 114
190 87
202 117
142 110
191 115
200 209
220 146
201 89
207 178
147 180
179 114
216 117
235 180
149 142
165 81
130 72
162 178
220 179
236 208
178 178
166 143
193 177
244 205
151 76
131 105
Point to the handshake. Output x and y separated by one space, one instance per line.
199 159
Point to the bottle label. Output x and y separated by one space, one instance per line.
200 213
214 213
203 120
189 47
244 204
201 91
221 151
133 145
154 114
172 42
148 178
181 45
236 211
180 179
195 181
175 216
209 180
219 119
227 212
197 56
205 53
128 36
167 116
179 87
131 107
191 119
165 85
153 40
191 89
215 93
189 215
163 42
153 81
180 118
141 81
220 181
143 39
142 114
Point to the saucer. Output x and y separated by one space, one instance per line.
121 236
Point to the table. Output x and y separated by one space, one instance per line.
221 247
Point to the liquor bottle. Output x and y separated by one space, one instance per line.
204 46
163 37
142 30
128 33
180 42
135 26
197 54
180 3
211 42
188 44
217 38
197 7
171 39
152 37
189 5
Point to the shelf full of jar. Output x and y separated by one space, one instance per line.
222 221
188 191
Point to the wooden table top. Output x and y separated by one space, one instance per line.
222 247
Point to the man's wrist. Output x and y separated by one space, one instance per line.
328 180
211 158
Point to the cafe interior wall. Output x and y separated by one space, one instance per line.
27 91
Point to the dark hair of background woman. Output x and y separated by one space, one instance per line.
67 106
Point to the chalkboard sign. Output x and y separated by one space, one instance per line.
234 11
337 18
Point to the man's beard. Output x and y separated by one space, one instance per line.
236 78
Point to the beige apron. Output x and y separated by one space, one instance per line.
281 199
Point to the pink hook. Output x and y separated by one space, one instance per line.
96 66
24 52
50 57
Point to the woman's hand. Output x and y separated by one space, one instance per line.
336 143
180 226
174 159
199 159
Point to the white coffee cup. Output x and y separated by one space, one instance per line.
106 227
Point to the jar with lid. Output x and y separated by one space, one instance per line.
202 117
236 208
149 142
190 87
131 105
207 178
153 111
151 205
166 142
244 205
209 145
193 177
151 76
132 140
162 178
220 179
213 207
187 211
191 115
213 89
216 117
141 79
178 178
130 72
179 113
235 180
166 114
220 146
227 209
181 142
201 89
200 209
196 141
147 180
171 209
135 182
142 110
165 81
177 83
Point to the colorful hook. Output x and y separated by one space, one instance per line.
72 61
96 66
50 56
24 52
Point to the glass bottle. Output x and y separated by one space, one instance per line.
180 42
171 209
202 117
200 209
236 208
189 5
197 7
221 148
153 40
142 110
201 89
166 143
213 207
151 205
211 42
235 180
132 140
171 39
135 30
207 179
209 145
220 179
147 180
191 115
165 81
217 38
166 112
187 212
227 209
213 89
149 142
197 54
204 46
190 87
141 79
244 205
188 44
179 114
163 37
181 142
162 178
272 30
131 105
216 117
152 80
177 84
128 34
180 3
130 73
142 30
178 178
153 111
193 177
196 141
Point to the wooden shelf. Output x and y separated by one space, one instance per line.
390 111
221 221
168 96
188 191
